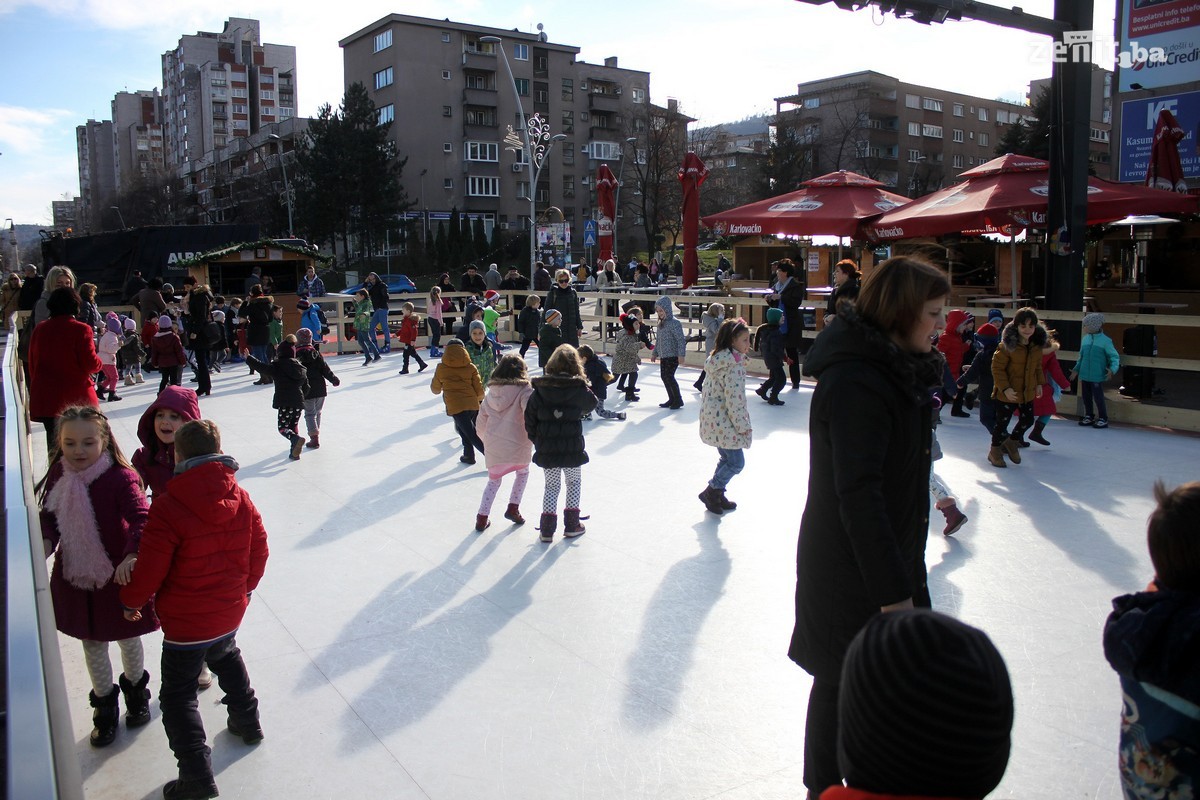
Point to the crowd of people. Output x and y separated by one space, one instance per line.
884 665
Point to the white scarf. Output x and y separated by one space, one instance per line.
86 564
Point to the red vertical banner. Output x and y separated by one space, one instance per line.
1165 170
606 186
691 174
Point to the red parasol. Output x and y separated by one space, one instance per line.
606 185
1164 170
691 174
831 205
1013 190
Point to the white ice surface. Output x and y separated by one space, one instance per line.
399 654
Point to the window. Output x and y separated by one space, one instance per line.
285 112
639 125
218 81
522 190
605 151
639 95
931 104
983 115
480 116
482 151
568 89
542 96
958 135
914 129
387 114
912 101
1002 116
447 111
541 64
446 37
383 78
239 108
447 147
445 74
267 95
568 121
914 156
812 102
522 86
476 46
383 41
483 187
958 162
933 131
984 139
568 186
583 116
958 109
448 183
568 153
521 52
238 91
479 80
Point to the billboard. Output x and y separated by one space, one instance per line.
1138 118
1174 26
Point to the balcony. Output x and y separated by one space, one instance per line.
477 60
604 102
479 97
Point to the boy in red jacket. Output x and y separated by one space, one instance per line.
409 328
202 553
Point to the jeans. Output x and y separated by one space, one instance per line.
435 332
380 317
666 371
261 352
180 709
366 342
730 463
1093 393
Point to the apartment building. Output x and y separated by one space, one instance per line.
447 89
66 214
138 137
914 139
222 86
735 153
1100 130
95 151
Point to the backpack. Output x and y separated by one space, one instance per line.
324 322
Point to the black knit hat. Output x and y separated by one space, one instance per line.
926 708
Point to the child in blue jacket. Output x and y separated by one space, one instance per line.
1098 361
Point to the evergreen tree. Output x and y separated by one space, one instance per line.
441 248
1013 140
482 249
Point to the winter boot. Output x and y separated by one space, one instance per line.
955 519
761 391
547 527
137 700
514 514
712 500
996 457
630 397
367 360
112 396
1013 449
129 380
572 527
297 446
105 718
248 730
138 378
1021 441
190 789
774 400
314 440
1038 428
726 503
481 522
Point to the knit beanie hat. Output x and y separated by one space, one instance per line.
130 325
1092 323
987 330
164 322
302 304
304 337
286 350
926 708
113 325
476 325
218 315
773 316
996 316
553 314
491 294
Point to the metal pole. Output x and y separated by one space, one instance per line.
287 191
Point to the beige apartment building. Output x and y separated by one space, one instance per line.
138 134
449 96
914 139
95 153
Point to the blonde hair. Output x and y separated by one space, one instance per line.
55 272
716 310
565 361
560 274
533 300
409 307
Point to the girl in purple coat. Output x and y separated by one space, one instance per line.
501 426
93 510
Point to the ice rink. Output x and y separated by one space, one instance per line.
399 654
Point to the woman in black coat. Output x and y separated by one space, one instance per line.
789 297
564 298
200 306
257 313
862 538
847 278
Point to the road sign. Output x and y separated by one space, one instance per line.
589 227
589 238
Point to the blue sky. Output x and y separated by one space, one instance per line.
723 59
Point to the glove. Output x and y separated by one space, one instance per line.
337 382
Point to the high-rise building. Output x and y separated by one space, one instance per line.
914 139
97 175
138 132
446 88
1100 130
65 214
221 86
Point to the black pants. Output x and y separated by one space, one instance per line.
464 423
666 371
794 368
171 376
775 382
627 383
699 384
525 343
203 378
1004 412
51 433
410 351
820 738
180 710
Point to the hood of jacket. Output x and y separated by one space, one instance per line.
455 355
176 398
956 319
504 394
1155 637
850 338
664 304
1011 339
208 490
720 362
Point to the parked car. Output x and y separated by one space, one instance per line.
396 284
708 246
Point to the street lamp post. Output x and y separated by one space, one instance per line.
617 198
287 189
535 142
424 215
119 215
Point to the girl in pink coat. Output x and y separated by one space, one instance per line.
501 426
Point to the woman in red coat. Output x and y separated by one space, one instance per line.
955 344
62 361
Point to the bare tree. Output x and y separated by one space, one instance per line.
656 196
